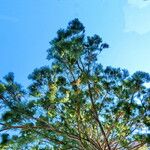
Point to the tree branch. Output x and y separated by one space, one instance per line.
96 116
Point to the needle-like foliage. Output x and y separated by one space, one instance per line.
75 103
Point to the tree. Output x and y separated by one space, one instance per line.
75 103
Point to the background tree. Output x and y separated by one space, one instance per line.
76 103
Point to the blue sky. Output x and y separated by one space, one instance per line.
27 26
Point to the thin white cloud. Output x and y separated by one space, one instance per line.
8 18
139 3
137 16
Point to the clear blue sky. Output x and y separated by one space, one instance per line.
27 26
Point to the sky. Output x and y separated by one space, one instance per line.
27 26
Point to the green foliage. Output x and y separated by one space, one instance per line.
76 103
4 139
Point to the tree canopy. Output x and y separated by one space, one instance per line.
75 103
